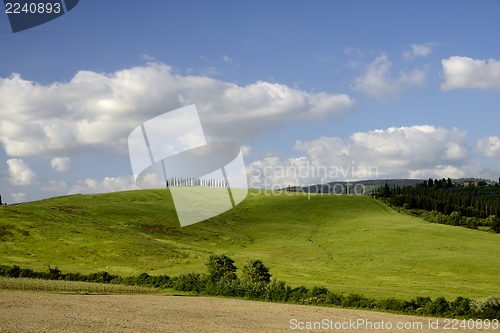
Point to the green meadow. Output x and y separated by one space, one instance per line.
351 244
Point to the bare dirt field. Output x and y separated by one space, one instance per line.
44 312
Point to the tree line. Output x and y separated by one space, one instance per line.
448 203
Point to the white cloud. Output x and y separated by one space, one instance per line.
465 72
210 71
147 57
117 184
96 112
377 82
60 164
245 150
227 59
18 197
489 147
56 186
20 172
417 50
405 152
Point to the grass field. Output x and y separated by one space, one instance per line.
71 287
346 243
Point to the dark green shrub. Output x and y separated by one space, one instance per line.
12 271
143 279
278 291
393 304
255 290
494 223
221 266
255 271
317 295
297 295
438 307
188 282
161 281
421 302
358 301
101 277
26 273
334 299
228 287
460 306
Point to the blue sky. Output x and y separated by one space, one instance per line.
411 88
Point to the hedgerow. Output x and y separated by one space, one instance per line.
221 280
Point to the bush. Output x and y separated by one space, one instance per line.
461 306
439 307
143 279
102 277
334 299
275 291
188 282
221 266
489 308
161 281
278 291
13 271
256 272
26 273
229 287
358 301
255 290
494 223
455 218
297 295
393 304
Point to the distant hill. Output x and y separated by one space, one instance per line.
372 184
344 187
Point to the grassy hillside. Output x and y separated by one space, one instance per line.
346 243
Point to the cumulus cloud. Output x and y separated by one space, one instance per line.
211 71
245 150
20 172
108 184
417 50
227 59
96 112
147 57
18 197
60 164
465 72
377 82
56 186
489 147
404 152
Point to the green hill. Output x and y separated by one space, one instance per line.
346 243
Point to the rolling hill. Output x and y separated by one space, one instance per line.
346 243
